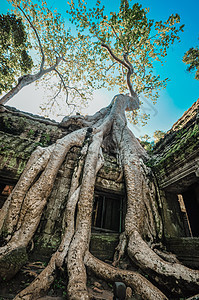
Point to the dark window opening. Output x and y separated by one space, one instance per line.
5 191
107 213
189 204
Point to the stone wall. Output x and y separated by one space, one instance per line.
186 250
103 245
175 159
20 134
175 162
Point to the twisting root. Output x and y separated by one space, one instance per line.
149 261
43 281
120 249
76 270
137 282
142 217
22 212
33 167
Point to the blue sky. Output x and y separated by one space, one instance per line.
182 90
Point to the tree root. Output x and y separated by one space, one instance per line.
150 262
137 282
23 209
43 281
76 269
170 257
120 249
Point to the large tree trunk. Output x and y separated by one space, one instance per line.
21 213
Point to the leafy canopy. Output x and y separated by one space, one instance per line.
66 63
127 43
14 58
158 135
149 145
191 58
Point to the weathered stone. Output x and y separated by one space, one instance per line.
186 250
103 245
106 184
175 163
176 156
12 262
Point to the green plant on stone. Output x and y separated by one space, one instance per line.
6 122
45 140
21 123
31 132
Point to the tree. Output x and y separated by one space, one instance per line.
148 146
22 211
60 60
191 58
130 43
14 57
158 135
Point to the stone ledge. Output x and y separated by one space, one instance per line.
186 250
103 245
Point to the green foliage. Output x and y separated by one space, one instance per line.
43 26
60 285
191 58
145 142
83 64
158 135
14 58
66 63
131 39
31 133
6 122
145 138
45 140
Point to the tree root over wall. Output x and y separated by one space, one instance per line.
22 211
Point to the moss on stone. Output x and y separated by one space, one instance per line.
184 142
11 263
103 245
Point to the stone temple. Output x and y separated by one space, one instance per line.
174 161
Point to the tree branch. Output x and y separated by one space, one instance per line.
128 63
37 36
66 87
52 68
129 73
26 80
53 100
107 69
62 81
116 35
114 56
